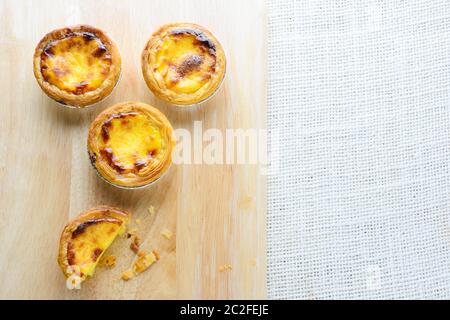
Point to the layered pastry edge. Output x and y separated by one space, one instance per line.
81 224
159 86
72 97
110 166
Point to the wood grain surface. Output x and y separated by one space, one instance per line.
217 212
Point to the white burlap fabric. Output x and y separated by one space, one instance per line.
359 204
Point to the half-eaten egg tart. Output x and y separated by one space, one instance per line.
183 63
85 239
130 144
77 66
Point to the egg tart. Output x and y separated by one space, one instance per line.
85 239
77 66
130 144
183 63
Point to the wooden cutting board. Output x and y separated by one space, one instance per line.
217 212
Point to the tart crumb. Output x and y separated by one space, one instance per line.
225 267
141 253
107 261
156 253
134 246
246 202
143 262
138 221
132 232
151 210
127 275
166 233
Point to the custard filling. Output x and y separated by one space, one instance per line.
77 63
129 142
89 242
185 60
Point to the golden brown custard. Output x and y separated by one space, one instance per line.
183 63
130 144
78 63
89 241
129 141
85 239
77 66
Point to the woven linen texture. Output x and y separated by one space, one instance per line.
359 202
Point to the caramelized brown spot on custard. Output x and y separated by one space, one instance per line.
108 123
200 37
140 164
70 254
119 116
48 51
96 253
105 133
100 51
88 36
112 160
191 63
81 228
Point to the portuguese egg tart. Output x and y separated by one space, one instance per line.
85 239
130 144
77 66
183 63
